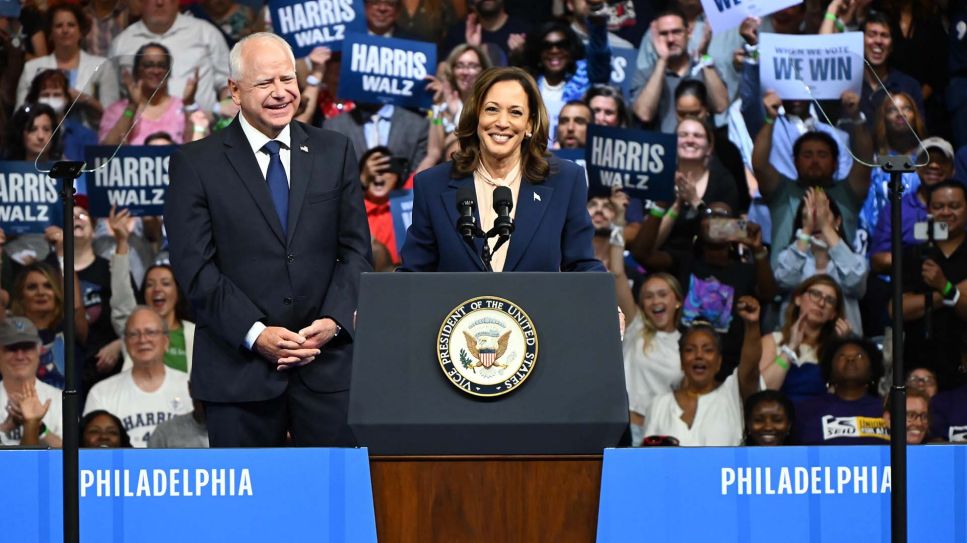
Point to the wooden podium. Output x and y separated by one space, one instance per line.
499 498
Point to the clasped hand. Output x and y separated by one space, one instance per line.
288 349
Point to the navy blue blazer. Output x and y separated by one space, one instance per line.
552 231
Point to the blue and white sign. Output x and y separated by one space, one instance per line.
640 163
623 66
377 70
727 14
135 179
811 66
29 200
798 494
307 24
165 495
401 208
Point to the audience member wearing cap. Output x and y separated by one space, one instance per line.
149 393
703 412
937 165
24 398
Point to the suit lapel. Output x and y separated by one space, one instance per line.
239 153
449 197
532 202
300 161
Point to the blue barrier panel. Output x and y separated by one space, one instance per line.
788 494
165 495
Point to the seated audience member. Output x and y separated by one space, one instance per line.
852 414
373 125
918 417
791 356
563 69
769 416
654 87
607 105
939 271
66 27
938 165
820 248
816 155
38 295
572 125
22 395
380 176
30 135
50 88
897 129
147 394
159 291
923 381
650 344
159 138
196 51
700 178
703 412
149 107
187 431
711 272
101 429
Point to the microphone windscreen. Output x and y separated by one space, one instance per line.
466 196
503 197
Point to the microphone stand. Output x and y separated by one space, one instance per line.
896 166
66 172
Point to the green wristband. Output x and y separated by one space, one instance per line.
672 214
657 212
947 289
128 113
781 362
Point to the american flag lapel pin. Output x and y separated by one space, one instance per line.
304 148
537 197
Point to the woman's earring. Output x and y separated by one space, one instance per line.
527 134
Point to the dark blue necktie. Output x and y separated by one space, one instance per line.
278 183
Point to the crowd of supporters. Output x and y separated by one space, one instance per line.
757 300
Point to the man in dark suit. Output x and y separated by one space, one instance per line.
268 235
372 125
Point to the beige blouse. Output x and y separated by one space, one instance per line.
484 184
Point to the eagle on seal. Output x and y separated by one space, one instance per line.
486 350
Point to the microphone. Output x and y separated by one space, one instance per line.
467 223
503 204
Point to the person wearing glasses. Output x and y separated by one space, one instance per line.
918 416
790 356
852 414
147 394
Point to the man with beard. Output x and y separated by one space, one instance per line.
816 155
654 87
572 125
489 25
608 218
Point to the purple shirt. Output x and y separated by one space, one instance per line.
829 420
948 415
912 211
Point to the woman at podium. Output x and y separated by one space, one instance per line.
543 224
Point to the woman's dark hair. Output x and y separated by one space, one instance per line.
125 438
873 354
833 208
610 92
385 151
83 23
816 135
792 312
139 55
534 46
43 79
765 396
182 308
162 135
699 326
693 87
534 165
21 121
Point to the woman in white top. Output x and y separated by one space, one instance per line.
650 345
703 412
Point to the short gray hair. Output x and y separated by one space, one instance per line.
235 56
140 308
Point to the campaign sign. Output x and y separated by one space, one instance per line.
401 208
797 494
574 155
623 66
727 14
640 163
828 65
307 24
165 495
377 70
135 179
29 200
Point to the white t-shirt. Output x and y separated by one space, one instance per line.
649 374
138 410
718 417
52 419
